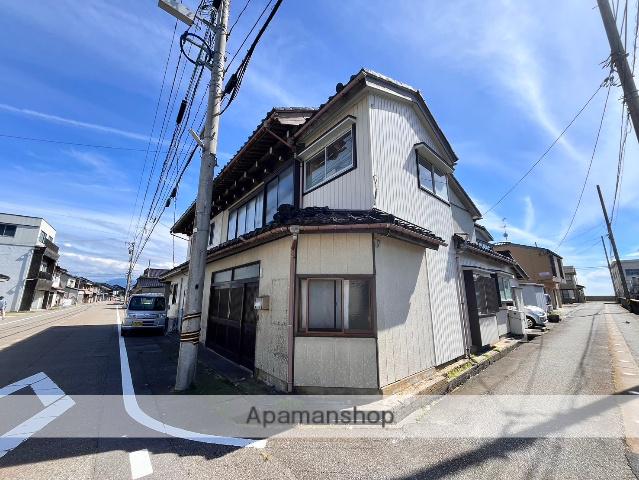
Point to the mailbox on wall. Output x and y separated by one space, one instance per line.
262 303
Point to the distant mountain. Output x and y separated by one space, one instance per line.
116 281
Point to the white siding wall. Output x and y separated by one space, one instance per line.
353 190
404 322
339 254
462 220
332 361
395 129
335 362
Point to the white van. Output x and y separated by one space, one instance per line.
145 311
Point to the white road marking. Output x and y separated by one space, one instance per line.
31 318
135 412
49 394
140 464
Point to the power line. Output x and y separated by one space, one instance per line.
228 66
157 107
74 144
594 150
239 16
543 155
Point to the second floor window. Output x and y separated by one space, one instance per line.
7 230
247 217
431 178
331 161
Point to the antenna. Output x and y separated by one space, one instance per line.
505 230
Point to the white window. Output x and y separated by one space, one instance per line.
247 217
335 305
505 291
329 162
431 178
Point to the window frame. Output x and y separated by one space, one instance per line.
504 301
3 230
370 333
493 283
322 144
233 280
433 167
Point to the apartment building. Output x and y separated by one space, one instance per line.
28 256
571 291
344 255
631 272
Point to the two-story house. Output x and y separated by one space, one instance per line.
27 257
631 274
346 227
571 291
542 265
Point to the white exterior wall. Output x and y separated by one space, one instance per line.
335 361
354 190
14 262
271 344
404 319
462 220
395 128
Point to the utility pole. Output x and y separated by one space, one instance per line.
128 275
612 278
622 277
190 334
620 61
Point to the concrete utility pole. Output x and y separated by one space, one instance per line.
620 60
612 278
624 285
190 335
128 275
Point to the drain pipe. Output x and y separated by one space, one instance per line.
295 230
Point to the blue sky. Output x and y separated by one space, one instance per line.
502 78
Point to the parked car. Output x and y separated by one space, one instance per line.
145 311
535 316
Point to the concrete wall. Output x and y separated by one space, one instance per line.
14 262
404 319
271 349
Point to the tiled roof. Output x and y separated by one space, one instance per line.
148 282
287 215
484 249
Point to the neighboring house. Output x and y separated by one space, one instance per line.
28 258
542 266
149 281
631 272
571 291
346 227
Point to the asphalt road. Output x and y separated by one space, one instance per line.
96 438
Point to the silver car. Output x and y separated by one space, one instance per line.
535 316
145 311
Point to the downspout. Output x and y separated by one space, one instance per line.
291 307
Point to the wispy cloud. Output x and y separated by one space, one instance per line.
47 117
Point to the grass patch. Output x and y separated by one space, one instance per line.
458 370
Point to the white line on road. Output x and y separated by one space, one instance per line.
135 412
51 396
140 464
35 316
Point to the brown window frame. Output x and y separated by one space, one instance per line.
368 333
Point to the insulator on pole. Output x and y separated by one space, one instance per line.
168 202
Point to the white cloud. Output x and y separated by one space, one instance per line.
530 214
72 122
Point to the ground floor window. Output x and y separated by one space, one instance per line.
486 294
505 289
335 305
